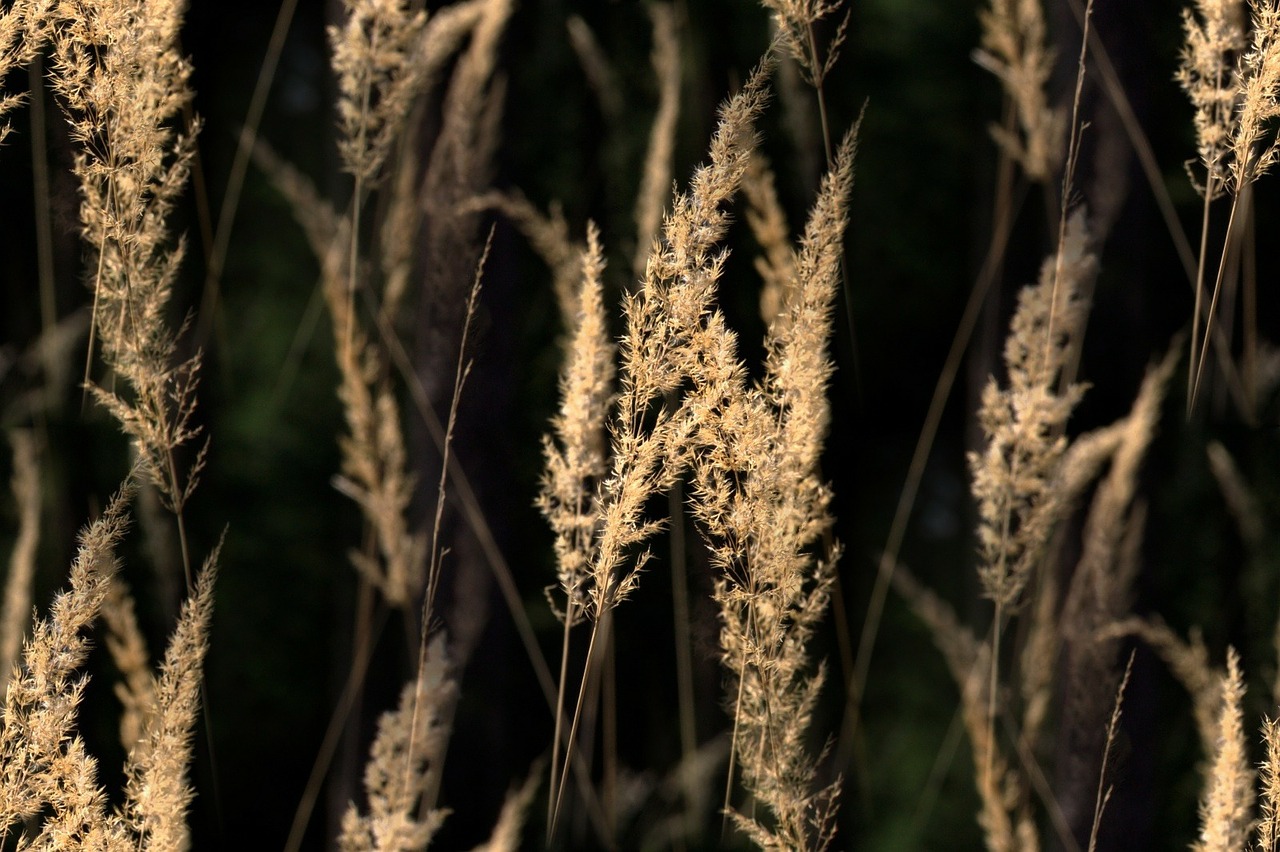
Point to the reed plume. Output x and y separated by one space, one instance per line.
1024 422
1015 49
43 764
405 761
762 506
122 95
1225 810
27 494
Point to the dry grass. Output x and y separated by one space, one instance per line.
661 421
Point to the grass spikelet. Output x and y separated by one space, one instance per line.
122 96
374 473
1268 833
575 459
796 20
42 764
137 689
24 30
667 320
1015 49
22 560
1004 816
762 506
1207 75
1259 80
1225 819
672 334
406 757
600 73
1238 495
1240 148
1188 660
374 58
1113 729
157 792
768 223
515 809
1024 422
548 234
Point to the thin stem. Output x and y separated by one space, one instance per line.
240 168
559 712
573 732
1227 247
684 646
363 653
1199 288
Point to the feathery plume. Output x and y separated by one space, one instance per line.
762 506
600 73
43 765
795 20
1228 798
1024 423
1207 74
575 459
768 223
22 561
122 89
137 689
377 69
1015 49
157 792
406 757
24 30
1005 815
1268 833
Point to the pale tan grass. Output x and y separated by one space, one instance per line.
1024 423
548 234
762 506
374 466
1015 49
1207 74
1005 816
132 165
1268 832
506 835
1238 494
28 495
1253 145
404 762
136 690
157 791
374 59
457 171
768 222
575 458
1104 787
1227 804
24 30
43 764
1100 586
670 328
1188 660
795 20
